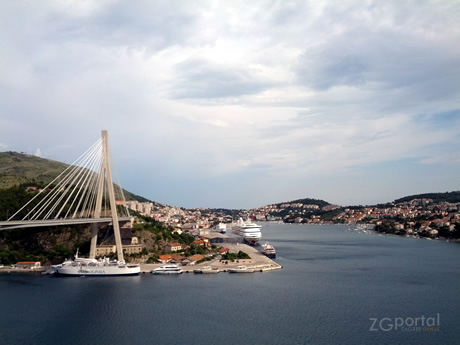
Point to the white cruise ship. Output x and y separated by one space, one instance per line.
249 231
167 269
93 267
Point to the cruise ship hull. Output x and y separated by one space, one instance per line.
269 255
251 241
109 270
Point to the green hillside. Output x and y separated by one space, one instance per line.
436 197
307 201
19 168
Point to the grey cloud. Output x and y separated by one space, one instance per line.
153 25
332 67
381 47
392 61
200 79
284 13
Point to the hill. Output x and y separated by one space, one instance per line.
307 201
19 168
436 197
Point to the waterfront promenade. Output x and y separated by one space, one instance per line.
258 261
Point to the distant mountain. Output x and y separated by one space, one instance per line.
307 201
19 168
436 197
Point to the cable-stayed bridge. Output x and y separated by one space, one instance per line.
84 193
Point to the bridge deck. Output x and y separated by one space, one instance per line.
16 224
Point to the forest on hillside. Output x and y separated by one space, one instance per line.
436 197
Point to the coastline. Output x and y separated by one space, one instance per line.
258 261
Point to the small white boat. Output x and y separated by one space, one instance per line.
206 270
167 269
241 269
221 227
268 250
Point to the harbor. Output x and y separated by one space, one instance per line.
258 262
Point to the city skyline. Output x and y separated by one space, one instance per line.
240 105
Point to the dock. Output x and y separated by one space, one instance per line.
258 261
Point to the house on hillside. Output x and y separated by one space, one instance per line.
191 260
105 250
173 247
203 242
129 243
173 258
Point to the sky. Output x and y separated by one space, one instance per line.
240 104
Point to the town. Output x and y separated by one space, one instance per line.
423 217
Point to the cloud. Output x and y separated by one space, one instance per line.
199 78
452 158
144 24
292 95
389 58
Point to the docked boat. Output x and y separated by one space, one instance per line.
92 267
268 250
241 269
167 269
206 270
250 232
221 227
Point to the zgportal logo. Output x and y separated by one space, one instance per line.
406 324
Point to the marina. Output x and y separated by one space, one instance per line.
258 262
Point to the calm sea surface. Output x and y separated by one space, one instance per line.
335 287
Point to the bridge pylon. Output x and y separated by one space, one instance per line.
105 178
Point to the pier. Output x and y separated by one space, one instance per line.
258 261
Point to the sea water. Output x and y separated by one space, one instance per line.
336 287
